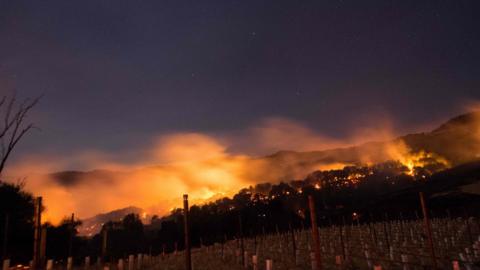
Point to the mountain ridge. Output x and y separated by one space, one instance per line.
457 141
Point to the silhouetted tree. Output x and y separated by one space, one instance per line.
59 237
19 207
13 126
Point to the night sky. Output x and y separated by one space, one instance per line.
114 74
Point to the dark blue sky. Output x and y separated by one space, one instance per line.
116 73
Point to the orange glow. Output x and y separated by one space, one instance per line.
204 166
401 153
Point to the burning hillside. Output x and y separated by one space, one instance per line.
202 166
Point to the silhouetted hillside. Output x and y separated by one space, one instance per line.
93 225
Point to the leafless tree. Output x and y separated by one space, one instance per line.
13 126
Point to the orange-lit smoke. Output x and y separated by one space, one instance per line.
193 163
202 165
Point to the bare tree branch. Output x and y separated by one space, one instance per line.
14 127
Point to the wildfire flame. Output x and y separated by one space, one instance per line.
400 152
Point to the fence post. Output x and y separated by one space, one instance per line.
49 264
455 265
6 264
316 239
130 262
43 246
269 264
428 229
69 263
139 261
188 259
245 259
37 233
120 264
338 261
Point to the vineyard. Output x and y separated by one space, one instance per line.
397 244
389 245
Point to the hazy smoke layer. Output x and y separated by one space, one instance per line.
204 166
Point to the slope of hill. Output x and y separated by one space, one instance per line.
93 225
455 142
453 191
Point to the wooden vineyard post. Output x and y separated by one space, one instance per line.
131 262
188 259
6 264
43 246
49 265
120 265
456 265
428 229
269 264
69 263
37 232
255 262
316 238
139 261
